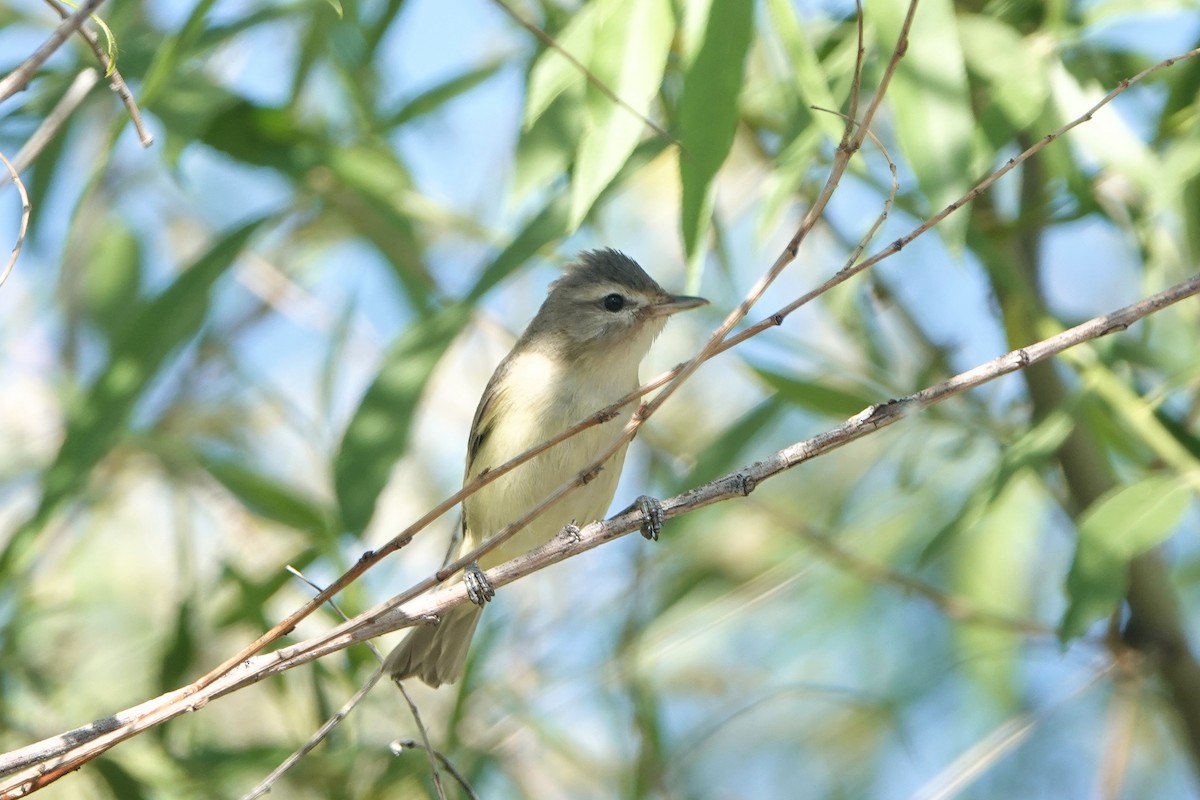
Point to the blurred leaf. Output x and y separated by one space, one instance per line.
253 594
721 455
369 193
94 424
548 226
265 137
378 433
545 151
181 650
1122 524
120 781
820 398
436 97
270 498
631 46
931 107
624 45
992 569
188 110
552 74
113 276
1014 71
708 111
1031 450
1035 447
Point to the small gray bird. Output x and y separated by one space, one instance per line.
579 354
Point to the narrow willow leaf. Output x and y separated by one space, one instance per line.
378 433
550 224
818 397
930 103
1119 526
708 110
270 498
98 419
629 56
436 97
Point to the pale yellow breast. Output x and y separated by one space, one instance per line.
552 401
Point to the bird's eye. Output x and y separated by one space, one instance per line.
614 302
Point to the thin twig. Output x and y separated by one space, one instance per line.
955 607
24 224
267 783
408 744
20 77
114 78
321 733
433 755
1000 742
62 110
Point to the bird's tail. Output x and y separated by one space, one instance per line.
436 653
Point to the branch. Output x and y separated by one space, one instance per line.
19 78
45 761
23 226
114 78
63 109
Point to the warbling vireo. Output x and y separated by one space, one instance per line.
579 354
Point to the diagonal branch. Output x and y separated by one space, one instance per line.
42 763
19 78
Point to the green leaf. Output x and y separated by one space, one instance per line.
121 783
95 423
369 194
624 45
720 455
378 433
112 279
992 569
265 137
434 98
629 56
269 498
549 225
1016 74
708 111
1119 526
931 106
545 151
821 398
181 650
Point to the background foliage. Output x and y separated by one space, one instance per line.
259 344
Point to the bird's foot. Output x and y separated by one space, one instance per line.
652 516
479 588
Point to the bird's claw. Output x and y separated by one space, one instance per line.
652 516
479 588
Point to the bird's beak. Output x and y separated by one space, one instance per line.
674 303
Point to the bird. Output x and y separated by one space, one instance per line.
580 353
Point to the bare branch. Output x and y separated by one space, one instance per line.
114 77
19 78
24 224
62 110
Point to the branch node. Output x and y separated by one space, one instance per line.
570 533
